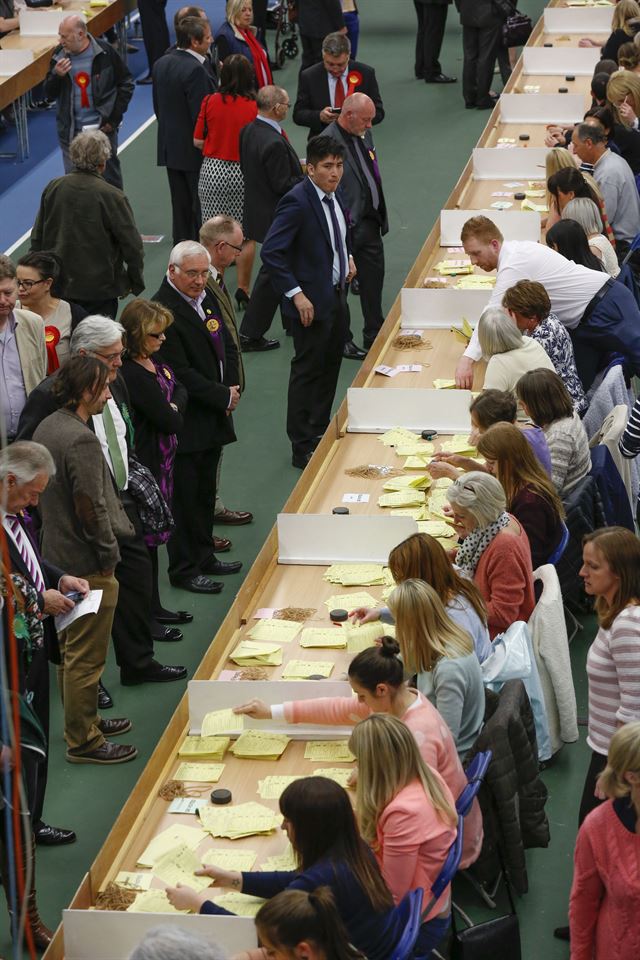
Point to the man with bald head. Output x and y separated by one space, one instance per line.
92 86
361 193
270 167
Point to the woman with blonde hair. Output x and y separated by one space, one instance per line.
509 355
442 655
622 30
603 910
237 35
407 814
531 497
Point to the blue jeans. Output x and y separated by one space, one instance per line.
430 936
352 23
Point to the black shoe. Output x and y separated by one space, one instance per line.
354 287
154 673
259 345
198 584
470 106
105 701
487 104
170 635
144 81
440 78
219 568
242 298
180 616
300 460
47 836
562 933
132 49
351 351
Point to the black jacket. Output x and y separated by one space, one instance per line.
479 13
190 353
270 167
180 83
317 18
313 94
354 190
152 416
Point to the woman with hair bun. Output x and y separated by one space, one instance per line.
297 925
377 677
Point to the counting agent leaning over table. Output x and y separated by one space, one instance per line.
377 677
318 819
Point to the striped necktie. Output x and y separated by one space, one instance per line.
28 555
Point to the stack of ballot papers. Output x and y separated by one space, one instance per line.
415 448
153 901
245 820
412 482
360 636
416 513
450 268
221 721
275 630
460 444
203 748
259 745
323 637
350 601
226 859
436 528
335 751
440 384
354 574
248 653
179 866
240 903
281 861
402 498
271 787
167 840
339 774
476 281
305 669
199 772
398 436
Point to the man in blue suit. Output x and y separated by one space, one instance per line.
307 255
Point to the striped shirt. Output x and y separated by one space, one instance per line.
569 449
613 670
630 439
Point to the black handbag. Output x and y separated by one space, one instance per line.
517 27
499 937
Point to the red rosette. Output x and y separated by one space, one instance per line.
52 339
82 80
354 79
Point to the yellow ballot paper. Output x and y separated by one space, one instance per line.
339 774
323 637
199 772
304 669
226 859
416 513
460 444
413 482
361 636
417 448
134 881
274 630
245 820
441 384
436 528
402 498
204 748
281 861
258 745
350 601
476 281
240 903
397 436
534 207
179 866
167 840
331 750
354 574
153 901
221 721
271 787
248 653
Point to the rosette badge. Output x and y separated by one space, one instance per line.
354 79
52 339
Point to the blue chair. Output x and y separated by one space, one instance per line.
633 246
562 546
409 912
475 774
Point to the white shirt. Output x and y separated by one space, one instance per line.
199 57
342 224
272 123
333 82
121 435
570 286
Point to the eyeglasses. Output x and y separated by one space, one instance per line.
193 274
111 357
28 284
158 336
233 246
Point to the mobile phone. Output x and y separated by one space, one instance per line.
75 596
335 110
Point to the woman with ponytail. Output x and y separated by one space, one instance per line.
297 925
377 678
406 813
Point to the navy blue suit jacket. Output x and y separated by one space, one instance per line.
298 252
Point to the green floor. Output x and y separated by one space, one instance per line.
423 145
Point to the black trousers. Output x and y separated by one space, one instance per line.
185 204
311 51
430 34
194 497
261 308
155 32
368 254
107 308
589 802
314 375
131 631
37 687
480 49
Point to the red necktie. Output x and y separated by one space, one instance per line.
339 98
284 134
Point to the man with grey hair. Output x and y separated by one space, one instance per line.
134 629
323 88
270 168
25 470
89 225
174 943
92 86
201 352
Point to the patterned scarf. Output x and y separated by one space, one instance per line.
476 542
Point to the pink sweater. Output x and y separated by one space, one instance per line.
413 843
434 739
505 579
604 911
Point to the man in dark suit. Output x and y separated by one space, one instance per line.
306 253
323 88
432 19
204 358
270 167
317 18
180 83
361 193
155 32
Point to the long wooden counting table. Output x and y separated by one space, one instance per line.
289 571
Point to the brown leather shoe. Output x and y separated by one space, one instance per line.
42 935
105 754
221 544
234 518
113 728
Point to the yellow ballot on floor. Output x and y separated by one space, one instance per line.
332 750
226 859
179 866
339 774
204 748
221 721
249 653
305 669
153 901
271 787
234 822
199 772
275 630
240 903
259 745
323 637
167 840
